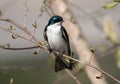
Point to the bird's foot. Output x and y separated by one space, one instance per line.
50 49
61 53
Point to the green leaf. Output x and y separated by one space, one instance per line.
67 60
11 81
100 76
43 42
80 66
110 30
36 52
110 5
41 11
10 27
7 45
14 36
116 0
34 24
118 58
46 2
92 49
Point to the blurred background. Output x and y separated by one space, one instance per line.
23 67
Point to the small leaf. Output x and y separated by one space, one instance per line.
118 58
67 60
5 45
72 54
92 50
116 0
10 27
81 66
110 5
14 36
46 2
11 81
43 42
34 24
36 52
100 76
110 30
42 10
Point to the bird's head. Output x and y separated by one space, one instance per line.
55 19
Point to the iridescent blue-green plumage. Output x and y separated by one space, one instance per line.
55 19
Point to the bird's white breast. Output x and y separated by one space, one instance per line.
55 38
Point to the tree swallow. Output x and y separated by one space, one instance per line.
57 39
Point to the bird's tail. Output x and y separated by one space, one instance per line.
60 64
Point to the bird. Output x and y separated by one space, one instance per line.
57 39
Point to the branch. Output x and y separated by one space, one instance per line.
25 48
25 30
15 68
72 76
25 13
98 69
16 34
41 46
46 49
109 51
110 76
105 73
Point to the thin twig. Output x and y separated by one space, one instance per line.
45 48
25 30
72 76
46 10
105 73
100 70
91 58
109 51
52 10
15 34
25 13
25 48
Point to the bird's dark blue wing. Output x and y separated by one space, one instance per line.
45 37
44 34
65 36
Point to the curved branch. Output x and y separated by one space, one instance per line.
98 69
41 46
72 76
109 51
69 57
25 48
18 26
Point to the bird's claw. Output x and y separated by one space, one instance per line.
61 54
50 49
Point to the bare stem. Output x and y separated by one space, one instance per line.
46 10
25 48
25 13
19 26
45 48
103 72
72 76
